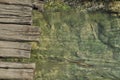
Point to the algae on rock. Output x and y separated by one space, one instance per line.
77 45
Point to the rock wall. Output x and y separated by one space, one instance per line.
78 45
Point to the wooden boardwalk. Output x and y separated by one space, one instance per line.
16 31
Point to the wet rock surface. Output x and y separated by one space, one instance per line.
78 45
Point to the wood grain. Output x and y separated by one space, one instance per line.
12 32
10 65
15 49
16 74
19 71
15 33
15 14
17 2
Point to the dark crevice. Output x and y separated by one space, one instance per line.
19 23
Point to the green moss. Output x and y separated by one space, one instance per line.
68 35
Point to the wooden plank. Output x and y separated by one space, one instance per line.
14 53
17 2
19 74
16 71
10 65
12 32
15 14
15 45
14 49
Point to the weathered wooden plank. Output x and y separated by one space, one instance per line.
14 53
15 14
17 74
11 32
19 71
15 10
15 45
10 65
14 49
17 2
